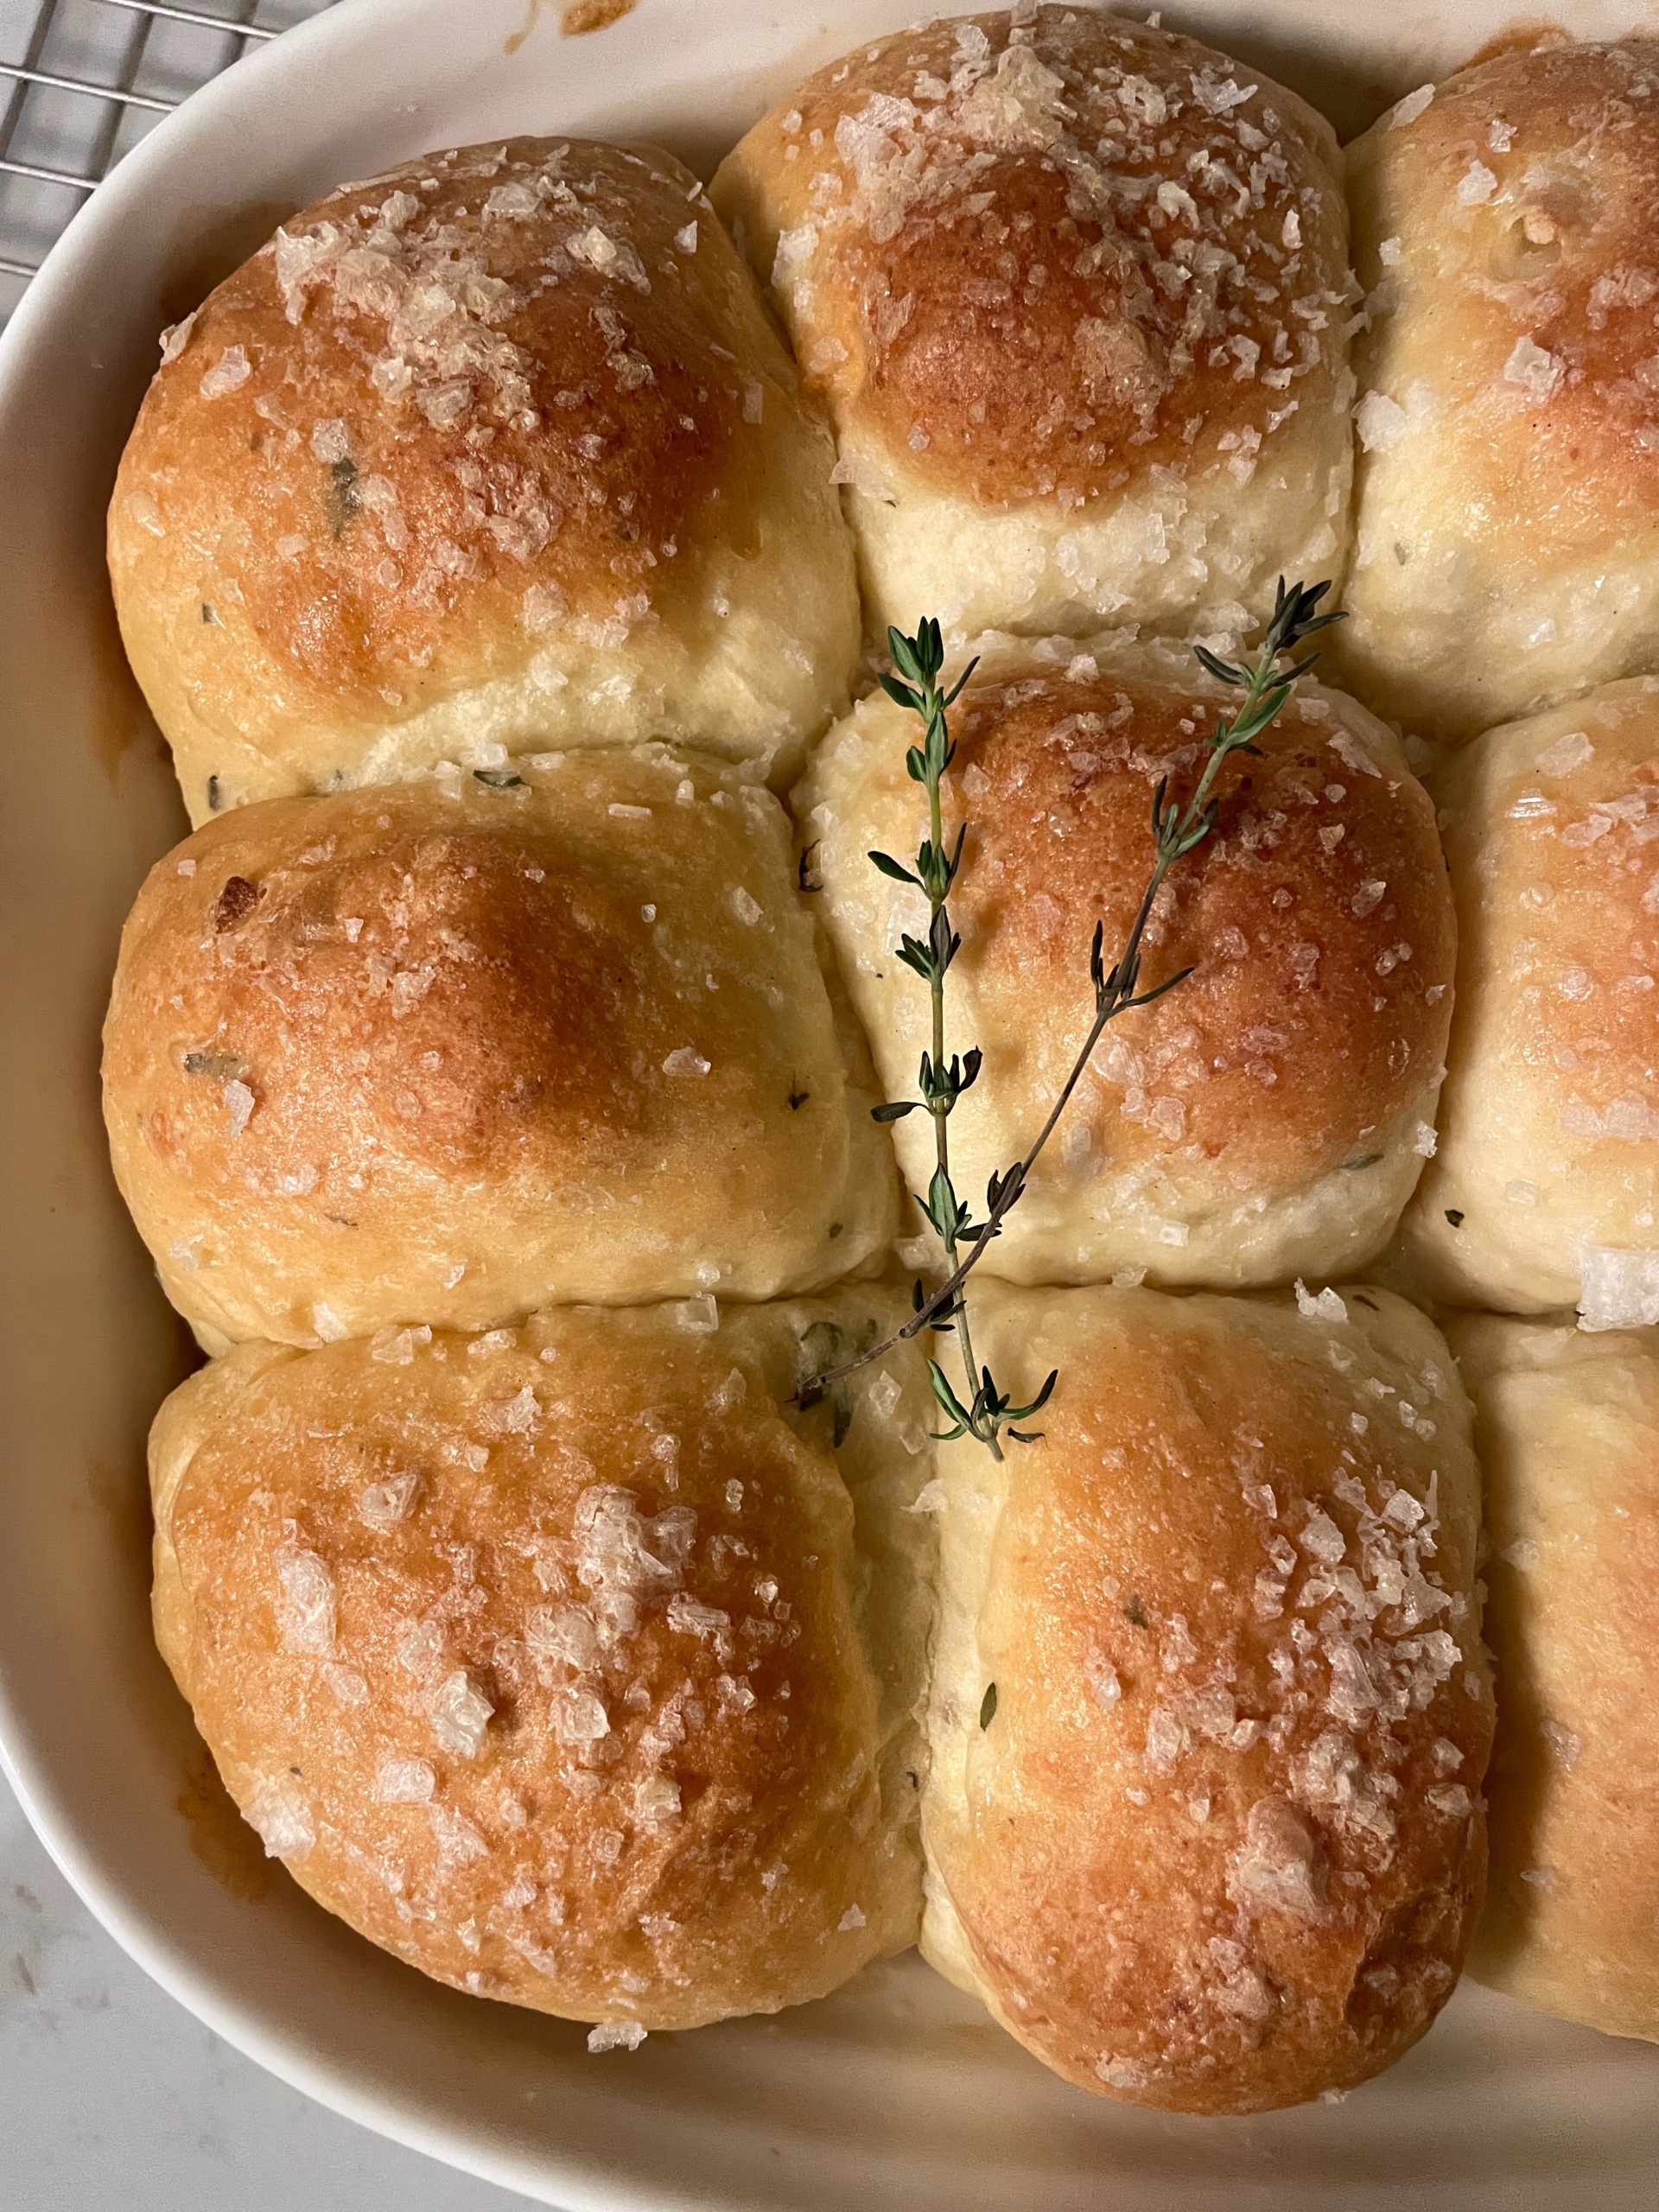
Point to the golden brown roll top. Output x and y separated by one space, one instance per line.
1076 292
443 1052
1507 507
544 1657
1210 1709
1269 1116
1544 1190
1567 1427
500 450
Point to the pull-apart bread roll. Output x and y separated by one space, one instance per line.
1268 1116
1209 1710
1545 1190
498 451
1076 290
1506 502
548 1660
445 1052
1567 1427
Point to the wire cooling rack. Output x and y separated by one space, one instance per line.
82 81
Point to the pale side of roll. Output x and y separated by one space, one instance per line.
1507 495
497 452
1075 292
1545 1189
1567 1427
570 1663
446 1052
1210 1710
1269 1116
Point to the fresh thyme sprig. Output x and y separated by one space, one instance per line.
1178 828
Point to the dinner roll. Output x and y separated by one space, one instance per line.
498 451
1507 503
1544 1189
1267 1117
1210 1709
547 1659
444 1052
1076 292
1567 1428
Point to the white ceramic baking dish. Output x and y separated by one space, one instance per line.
897 2090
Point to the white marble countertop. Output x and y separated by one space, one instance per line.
112 2096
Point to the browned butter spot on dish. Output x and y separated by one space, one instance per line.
219 1837
581 16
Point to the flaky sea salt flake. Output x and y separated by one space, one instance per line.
346 1684
278 1813
239 1104
305 1610
461 1713
394 1347
1618 1289
1562 1743
229 373
1566 753
383 1505
1536 372
404 1782
1475 186
1381 423
457 1838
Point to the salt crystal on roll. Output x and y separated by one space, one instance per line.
1075 292
1507 497
497 452
1209 1708
616 1719
1544 1189
1268 1117
417 1057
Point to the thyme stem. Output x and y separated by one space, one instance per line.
940 1102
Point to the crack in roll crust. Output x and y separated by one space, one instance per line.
1506 552
1270 1115
498 449
1568 1431
1220 1845
441 1053
1552 1100
544 1658
1076 292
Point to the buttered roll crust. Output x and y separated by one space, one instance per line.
1210 1709
443 1052
1075 292
1567 1427
496 452
1507 499
1269 1116
549 1658
1544 1190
